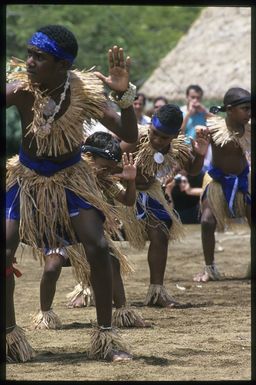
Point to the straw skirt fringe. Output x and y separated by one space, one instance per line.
104 341
219 205
85 292
17 347
125 317
46 320
154 293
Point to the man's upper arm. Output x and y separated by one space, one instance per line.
128 147
111 120
11 96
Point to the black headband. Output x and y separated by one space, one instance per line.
102 152
236 102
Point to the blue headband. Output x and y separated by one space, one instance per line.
44 42
161 127
101 152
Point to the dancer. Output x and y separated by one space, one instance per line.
226 195
159 151
58 193
103 153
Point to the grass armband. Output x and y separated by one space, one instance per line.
126 99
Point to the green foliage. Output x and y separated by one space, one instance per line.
13 131
146 32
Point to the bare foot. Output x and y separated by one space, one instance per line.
79 301
165 302
201 277
210 273
118 355
140 323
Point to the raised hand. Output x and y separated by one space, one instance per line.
118 79
201 143
129 168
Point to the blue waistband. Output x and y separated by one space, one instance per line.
46 167
231 183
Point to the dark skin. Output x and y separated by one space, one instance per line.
48 72
230 159
40 63
158 239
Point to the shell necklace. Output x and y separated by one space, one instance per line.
51 108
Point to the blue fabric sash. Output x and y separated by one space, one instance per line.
145 204
46 167
231 184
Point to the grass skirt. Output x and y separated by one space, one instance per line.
135 230
44 211
219 206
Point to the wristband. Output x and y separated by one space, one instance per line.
126 99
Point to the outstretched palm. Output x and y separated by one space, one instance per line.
118 79
129 168
201 143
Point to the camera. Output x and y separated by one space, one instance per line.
215 109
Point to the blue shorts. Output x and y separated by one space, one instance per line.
146 205
74 203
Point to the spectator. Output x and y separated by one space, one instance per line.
158 102
184 191
139 106
194 114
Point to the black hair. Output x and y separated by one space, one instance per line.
163 98
234 95
143 97
107 142
170 115
63 37
196 88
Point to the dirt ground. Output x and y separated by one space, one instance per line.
210 340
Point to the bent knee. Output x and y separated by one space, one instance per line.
99 248
52 270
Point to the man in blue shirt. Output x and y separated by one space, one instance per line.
194 113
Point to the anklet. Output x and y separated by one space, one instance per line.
10 327
105 328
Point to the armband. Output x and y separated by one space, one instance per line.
126 99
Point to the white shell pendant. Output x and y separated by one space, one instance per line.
158 157
49 108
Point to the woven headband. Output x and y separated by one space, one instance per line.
103 153
161 127
46 44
